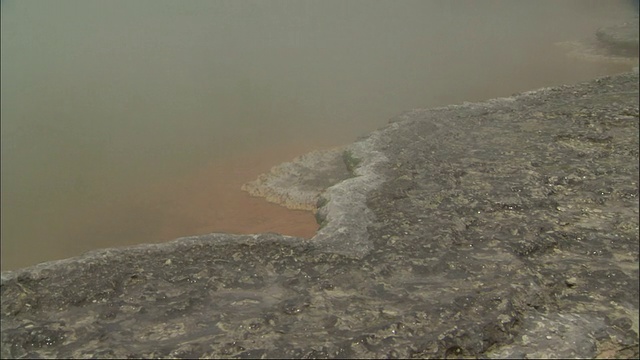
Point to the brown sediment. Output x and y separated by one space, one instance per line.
210 200
206 200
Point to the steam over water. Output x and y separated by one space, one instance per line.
126 122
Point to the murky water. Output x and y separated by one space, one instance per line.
137 121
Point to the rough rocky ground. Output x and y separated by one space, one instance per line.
507 228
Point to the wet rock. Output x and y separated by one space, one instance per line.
298 184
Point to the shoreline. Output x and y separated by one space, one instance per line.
507 218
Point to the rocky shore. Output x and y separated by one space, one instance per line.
507 228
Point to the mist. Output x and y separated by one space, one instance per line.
125 122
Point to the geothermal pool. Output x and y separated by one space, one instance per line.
130 122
